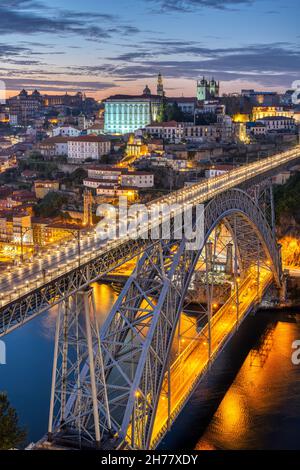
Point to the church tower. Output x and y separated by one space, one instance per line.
160 86
202 89
214 88
207 89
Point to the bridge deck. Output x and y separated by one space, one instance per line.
28 290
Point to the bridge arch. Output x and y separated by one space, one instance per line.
136 338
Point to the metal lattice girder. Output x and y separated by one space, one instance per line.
27 307
76 414
137 336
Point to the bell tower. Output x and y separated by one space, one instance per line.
160 86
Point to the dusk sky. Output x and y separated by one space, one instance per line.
119 46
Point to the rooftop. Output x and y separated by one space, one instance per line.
276 118
104 168
55 140
89 138
183 99
132 97
164 124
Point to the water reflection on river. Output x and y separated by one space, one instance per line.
262 407
254 396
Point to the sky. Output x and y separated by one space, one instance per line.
118 46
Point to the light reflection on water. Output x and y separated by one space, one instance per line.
262 406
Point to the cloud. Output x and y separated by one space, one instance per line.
56 85
183 6
275 63
30 17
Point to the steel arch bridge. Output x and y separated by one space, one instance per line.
137 337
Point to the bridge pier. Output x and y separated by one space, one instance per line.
79 414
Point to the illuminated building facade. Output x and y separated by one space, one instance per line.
207 89
262 112
136 147
126 113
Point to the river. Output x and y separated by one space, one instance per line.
250 399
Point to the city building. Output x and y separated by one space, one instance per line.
207 89
261 112
137 179
175 132
66 131
24 107
64 100
171 131
88 147
259 98
125 114
186 104
107 180
7 160
104 172
43 187
210 107
95 129
117 191
278 123
53 147
256 128
281 178
218 170
136 147
16 229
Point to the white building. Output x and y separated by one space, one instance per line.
88 146
210 107
278 123
218 170
170 130
105 172
281 178
138 179
54 146
256 128
66 131
106 178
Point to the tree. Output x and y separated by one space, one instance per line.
170 112
174 113
76 177
50 205
11 435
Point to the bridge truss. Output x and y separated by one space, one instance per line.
137 338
